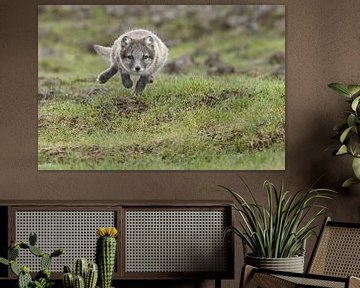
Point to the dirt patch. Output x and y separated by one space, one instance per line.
93 153
59 154
55 153
265 141
44 120
48 88
211 99
127 106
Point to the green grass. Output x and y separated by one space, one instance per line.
195 123
182 122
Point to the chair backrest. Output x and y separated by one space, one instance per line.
337 251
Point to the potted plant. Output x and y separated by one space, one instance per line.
42 278
276 233
84 274
348 132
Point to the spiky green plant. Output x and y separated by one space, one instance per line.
279 229
84 273
105 254
42 278
349 131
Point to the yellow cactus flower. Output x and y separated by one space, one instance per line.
106 231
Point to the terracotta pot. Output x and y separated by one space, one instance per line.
291 264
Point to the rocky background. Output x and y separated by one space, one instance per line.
219 39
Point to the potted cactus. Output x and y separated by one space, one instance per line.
84 275
106 254
42 278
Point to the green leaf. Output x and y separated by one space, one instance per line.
356 167
340 88
342 150
14 268
345 134
355 103
353 89
13 253
349 182
36 251
351 120
4 261
32 238
354 145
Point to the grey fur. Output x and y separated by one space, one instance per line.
137 52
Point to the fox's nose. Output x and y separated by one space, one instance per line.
137 68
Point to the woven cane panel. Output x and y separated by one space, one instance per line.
306 282
74 231
338 253
175 241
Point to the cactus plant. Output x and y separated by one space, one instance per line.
79 282
84 274
105 254
80 267
68 280
91 276
45 261
24 277
42 278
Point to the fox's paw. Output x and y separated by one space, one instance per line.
128 83
151 79
126 80
102 79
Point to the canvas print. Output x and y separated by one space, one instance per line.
161 87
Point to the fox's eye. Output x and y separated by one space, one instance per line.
146 57
130 57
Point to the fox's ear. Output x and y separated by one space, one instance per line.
104 52
125 41
149 41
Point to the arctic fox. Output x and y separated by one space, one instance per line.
137 52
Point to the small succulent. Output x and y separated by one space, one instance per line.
42 283
349 132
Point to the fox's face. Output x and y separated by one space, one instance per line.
137 55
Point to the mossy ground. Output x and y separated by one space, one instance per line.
186 122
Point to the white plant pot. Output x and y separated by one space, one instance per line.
291 264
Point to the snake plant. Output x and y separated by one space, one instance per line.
279 228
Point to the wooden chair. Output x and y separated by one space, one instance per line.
335 262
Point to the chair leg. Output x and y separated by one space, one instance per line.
217 283
246 274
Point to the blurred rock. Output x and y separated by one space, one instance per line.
277 58
49 81
179 65
279 72
125 10
263 11
96 91
45 53
61 12
236 21
216 66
